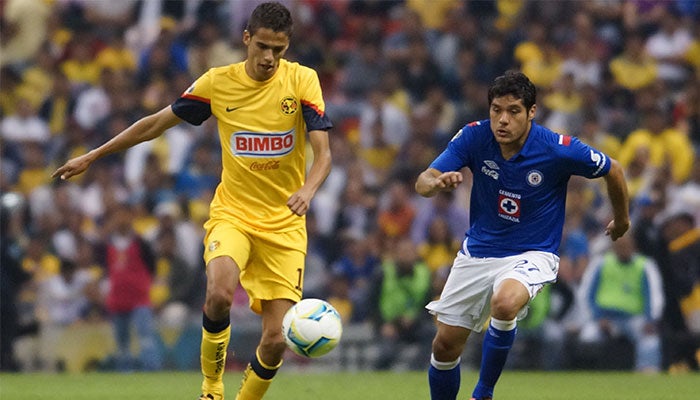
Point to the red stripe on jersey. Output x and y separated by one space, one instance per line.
198 98
475 123
565 140
312 106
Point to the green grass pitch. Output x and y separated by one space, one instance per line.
294 385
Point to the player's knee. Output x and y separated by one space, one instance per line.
446 350
219 300
505 307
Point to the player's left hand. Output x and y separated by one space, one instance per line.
299 202
616 229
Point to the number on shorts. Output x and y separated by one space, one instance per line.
521 264
298 286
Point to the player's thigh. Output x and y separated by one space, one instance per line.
465 298
276 267
227 250
223 239
533 269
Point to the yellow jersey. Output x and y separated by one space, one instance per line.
262 128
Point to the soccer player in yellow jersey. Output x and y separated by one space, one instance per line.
256 234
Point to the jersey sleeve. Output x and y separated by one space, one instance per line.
194 105
585 160
312 105
456 154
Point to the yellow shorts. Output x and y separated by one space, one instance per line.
271 263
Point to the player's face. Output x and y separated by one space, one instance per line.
265 49
510 121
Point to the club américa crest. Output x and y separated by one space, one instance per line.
289 105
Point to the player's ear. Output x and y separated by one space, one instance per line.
246 37
531 113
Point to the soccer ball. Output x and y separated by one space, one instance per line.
312 328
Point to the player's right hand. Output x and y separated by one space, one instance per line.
449 180
74 166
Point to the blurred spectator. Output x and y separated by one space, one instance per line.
682 234
94 104
23 30
396 211
531 47
400 43
633 69
383 129
666 145
115 54
593 134
35 169
63 302
101 190
357 210
11 80
686 197
58 107
439 248
199 173
211 49
564 105
317 275
494 57
419 72
623 291
433 14
80 65
668 46
357 264
574 252
441 108
445 206
687 112
363 70
12 277
129 263
174 280
399 295
188 237
41 264
648 209
165 58
24 125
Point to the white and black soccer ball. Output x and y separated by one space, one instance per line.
312 328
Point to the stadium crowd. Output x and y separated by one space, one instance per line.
399 79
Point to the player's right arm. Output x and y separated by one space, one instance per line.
145 129
619 200
431 181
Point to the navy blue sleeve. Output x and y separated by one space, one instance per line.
193 111
316 120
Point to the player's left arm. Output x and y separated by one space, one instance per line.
619 199
300 201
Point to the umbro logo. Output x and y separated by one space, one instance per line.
229 109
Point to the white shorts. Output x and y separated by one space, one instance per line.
466 298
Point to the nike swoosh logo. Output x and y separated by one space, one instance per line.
229 109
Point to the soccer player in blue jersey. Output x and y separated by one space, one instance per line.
521 170
266 107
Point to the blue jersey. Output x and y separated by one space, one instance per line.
517 205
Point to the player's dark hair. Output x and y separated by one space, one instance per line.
514 83
272 15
